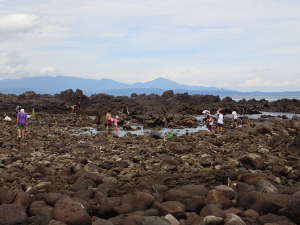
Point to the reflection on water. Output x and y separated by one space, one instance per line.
275 114
257 116
139 130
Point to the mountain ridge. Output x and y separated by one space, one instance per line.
56 84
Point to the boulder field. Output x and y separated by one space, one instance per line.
243 176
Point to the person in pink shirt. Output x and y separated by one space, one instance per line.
116 122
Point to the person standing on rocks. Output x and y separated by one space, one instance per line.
21 123
206 114
235 119
108 121
220 121
210 123
18 108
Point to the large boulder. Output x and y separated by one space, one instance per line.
71 212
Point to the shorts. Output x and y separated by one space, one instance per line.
109 123
21 126
220 124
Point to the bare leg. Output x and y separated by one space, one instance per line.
19 133
23 133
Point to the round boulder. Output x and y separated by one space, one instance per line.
71 212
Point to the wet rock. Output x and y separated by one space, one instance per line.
71 212
11 214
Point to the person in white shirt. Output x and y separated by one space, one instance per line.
220 121
235 119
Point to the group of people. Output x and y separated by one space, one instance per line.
213 123
111 122
209 120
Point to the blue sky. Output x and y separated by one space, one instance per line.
244 45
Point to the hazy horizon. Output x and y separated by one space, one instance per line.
249 45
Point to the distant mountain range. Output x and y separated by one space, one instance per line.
53 85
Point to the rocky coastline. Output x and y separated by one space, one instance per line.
244 176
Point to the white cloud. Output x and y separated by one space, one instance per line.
18 22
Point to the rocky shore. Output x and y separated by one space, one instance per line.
249 175
142 105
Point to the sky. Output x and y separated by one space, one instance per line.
243 45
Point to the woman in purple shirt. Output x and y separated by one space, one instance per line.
21 122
